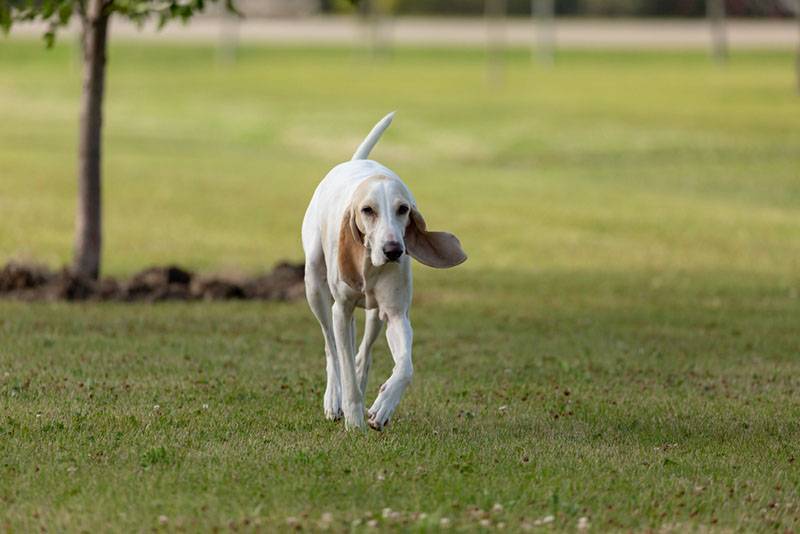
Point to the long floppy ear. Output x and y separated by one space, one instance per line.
351 252
435 249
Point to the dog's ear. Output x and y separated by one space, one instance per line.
351 251
435 249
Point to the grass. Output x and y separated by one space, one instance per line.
622 344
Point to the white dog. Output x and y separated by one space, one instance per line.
358 232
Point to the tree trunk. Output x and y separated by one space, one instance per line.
88 229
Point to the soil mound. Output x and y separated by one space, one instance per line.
158 283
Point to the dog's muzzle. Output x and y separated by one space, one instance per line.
393 250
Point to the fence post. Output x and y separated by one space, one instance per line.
228 45
543 13
495 11
797 61
715 11
373 16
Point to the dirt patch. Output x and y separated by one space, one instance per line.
36 282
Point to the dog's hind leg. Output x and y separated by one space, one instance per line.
320 300
372 329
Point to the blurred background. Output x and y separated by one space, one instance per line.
520 7
621 138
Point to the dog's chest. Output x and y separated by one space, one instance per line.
388 285
368 300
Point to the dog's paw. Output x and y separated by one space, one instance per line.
354 417
332 405
331 415
375 425
382 409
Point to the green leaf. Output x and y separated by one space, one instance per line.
5 16
230 6
48 8
64 13
139 11
50 37
163 18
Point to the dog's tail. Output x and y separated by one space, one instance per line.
372 139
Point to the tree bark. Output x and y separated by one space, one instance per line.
88 222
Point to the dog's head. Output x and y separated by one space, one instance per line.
382 224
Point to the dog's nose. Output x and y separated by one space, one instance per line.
393 250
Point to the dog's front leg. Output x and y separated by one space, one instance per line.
400 336
372 329
352 399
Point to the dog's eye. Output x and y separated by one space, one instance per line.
402 210
366 210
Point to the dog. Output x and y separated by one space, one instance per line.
360 228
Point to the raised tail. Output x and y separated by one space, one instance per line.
371 140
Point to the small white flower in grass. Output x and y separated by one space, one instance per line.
503 408
497 508
156 407
486 523
163 520
422 516
38 416
205 406
356 522
71 469
501 525
583 523
325 521
372 523
444 522
386 513
545 520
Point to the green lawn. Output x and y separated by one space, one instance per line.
623 344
